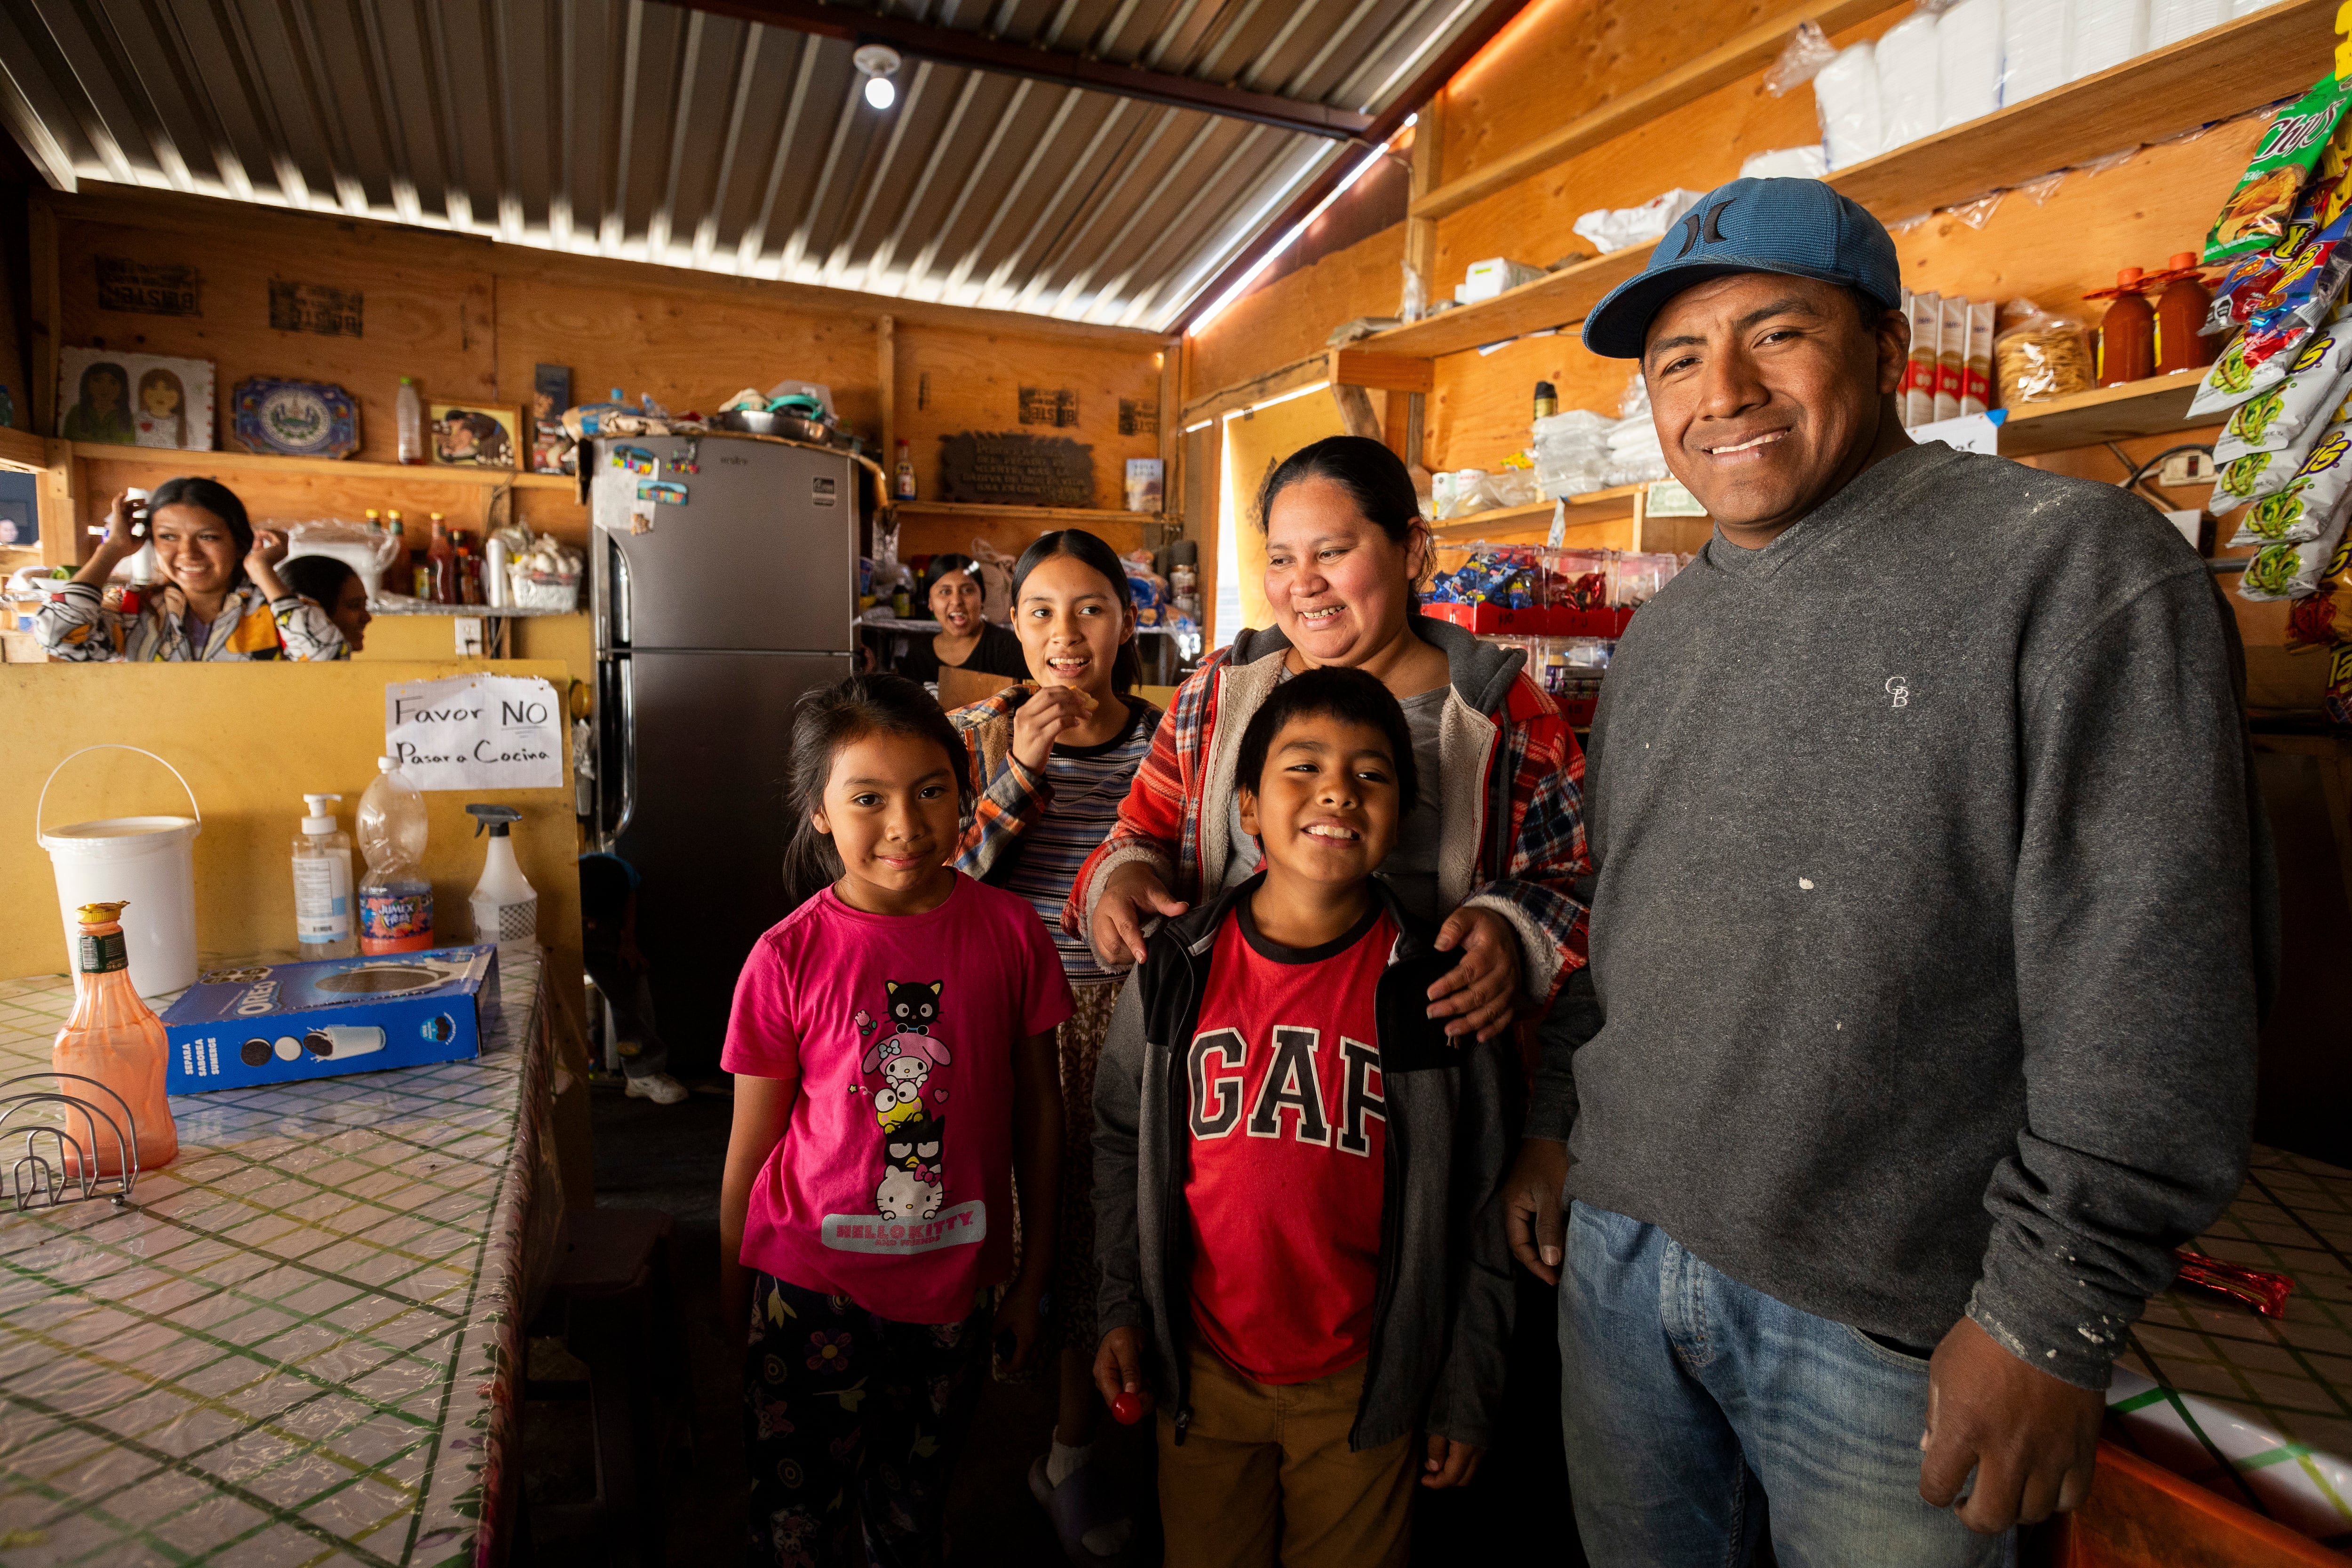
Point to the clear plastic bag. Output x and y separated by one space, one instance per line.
1801 59
2037 41
1414 300
1968 62
370 551
2038 355
1909 88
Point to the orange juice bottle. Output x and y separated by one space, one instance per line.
113 1039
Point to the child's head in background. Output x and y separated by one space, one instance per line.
875 796
1324 776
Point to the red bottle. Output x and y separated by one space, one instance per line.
2181 311
2127 332
441 556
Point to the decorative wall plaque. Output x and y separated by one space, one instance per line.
315 308
148 288
1007 469
1049 405
1138 418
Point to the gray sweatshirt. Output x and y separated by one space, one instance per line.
1923 968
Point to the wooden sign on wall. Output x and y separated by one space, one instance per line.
1007 469
1138 418
1049 405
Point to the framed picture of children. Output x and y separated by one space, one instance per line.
135 400
476 435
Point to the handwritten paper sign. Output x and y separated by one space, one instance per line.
475 732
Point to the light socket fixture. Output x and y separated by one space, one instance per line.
878 63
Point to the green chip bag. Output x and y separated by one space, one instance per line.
2256 213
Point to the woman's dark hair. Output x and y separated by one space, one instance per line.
1126 667
318 578
212 496
947 563
830 718
1375 479
1330 692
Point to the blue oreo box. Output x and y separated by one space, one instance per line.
276 1023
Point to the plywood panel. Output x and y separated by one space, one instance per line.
951 381
1291 317
921 536
425 319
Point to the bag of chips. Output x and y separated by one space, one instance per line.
2300 510
2271 420
2258 211
2259 474
2290 570
2326 618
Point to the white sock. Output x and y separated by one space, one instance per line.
1063 1460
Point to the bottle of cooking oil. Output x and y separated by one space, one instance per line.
114 1039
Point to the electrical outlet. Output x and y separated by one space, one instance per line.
2186 468
469 635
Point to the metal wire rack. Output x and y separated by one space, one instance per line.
60 1139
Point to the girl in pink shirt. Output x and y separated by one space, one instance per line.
893 1045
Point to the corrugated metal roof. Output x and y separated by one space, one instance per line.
630 128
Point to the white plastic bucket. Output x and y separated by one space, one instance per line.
148 861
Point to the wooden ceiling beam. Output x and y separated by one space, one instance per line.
975 51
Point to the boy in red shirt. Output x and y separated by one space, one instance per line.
1297 1174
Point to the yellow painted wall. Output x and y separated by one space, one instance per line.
1254 444
250 737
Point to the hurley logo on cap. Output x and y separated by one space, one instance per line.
1709 226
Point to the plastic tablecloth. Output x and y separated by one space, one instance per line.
299 1344
2258 1409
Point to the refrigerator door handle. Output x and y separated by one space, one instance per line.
628 717
623 633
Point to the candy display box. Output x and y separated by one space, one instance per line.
275 1023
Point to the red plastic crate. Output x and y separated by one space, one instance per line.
1545 621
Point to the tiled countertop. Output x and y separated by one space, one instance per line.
2258 1409
297 1345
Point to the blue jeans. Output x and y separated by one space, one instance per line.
1687 1399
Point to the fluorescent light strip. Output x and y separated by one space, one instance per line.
1241 284
1277 397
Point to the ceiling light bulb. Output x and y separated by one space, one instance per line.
877 61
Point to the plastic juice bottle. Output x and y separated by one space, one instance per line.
322 884
113 1039
395 900
442 557
410 415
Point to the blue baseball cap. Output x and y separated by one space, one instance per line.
1800 227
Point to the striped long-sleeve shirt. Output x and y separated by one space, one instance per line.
1030 832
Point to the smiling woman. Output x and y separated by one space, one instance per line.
218 597
966 640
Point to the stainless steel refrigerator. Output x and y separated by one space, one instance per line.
709 626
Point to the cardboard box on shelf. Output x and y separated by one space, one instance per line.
275 1023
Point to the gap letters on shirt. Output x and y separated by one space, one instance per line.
1288 1147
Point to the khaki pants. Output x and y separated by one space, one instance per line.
1265 1477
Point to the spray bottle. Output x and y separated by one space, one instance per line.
506 909
322 883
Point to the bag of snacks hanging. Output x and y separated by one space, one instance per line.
2290 570
2271 420
2258 212
2325 619
2038 355
2300 511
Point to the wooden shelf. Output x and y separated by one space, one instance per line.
1068 513
2240 64
479 611
19 449
2156 407
339 467
1593 506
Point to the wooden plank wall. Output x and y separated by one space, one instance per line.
1562 57
469 318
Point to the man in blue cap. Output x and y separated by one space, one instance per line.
1919 1026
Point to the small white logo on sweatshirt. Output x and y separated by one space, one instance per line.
1899 687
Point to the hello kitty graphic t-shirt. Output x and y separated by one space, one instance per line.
893 1183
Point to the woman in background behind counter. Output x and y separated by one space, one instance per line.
965 640
217 597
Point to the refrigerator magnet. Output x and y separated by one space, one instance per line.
641 517
635 459
668 490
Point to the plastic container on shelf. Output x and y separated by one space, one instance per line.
2128 332
2181 311
408 415
1571 451
115 1040
396 899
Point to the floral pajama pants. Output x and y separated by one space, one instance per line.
851 1427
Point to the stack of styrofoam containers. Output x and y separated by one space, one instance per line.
1635 455
1571 451
1967 61
2247 8
2170 21
1908 85
1845 96
2036 47
2106 34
